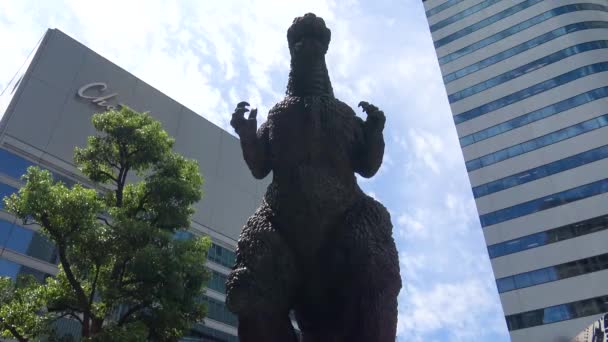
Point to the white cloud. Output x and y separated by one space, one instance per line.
462 311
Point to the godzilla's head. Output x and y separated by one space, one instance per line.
308 37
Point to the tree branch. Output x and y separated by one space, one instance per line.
94 286
105 220
131 311
13 331
109 176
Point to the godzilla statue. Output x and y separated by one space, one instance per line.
317 245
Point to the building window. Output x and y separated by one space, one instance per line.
558 313
527 68
13 165
217 282
26 241
544 203
12 269
5 190
553 273
441 7
537 143
531 91
541 171
217 310
222 256
532 43
463 14
562 233
511 30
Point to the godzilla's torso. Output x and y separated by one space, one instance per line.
312 142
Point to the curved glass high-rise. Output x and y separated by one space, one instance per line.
527 82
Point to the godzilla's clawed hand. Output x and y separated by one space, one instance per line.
242 126
374 115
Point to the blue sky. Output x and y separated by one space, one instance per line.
209 55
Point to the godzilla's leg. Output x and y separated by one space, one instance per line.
373 281
261 286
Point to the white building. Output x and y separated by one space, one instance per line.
527 83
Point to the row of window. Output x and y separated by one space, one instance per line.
553 273
527 68
544 203
217 253
485 22
558 313
547 237
522 120
217 282
541 171
5 190
531 91
217 310
27 241
537 143
518 28
441 8
202 333
12 269
15 166
525 46
463 14
222 256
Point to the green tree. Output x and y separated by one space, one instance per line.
122 274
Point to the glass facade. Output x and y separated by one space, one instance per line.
558 313
483 23
217 310
217 282
517 28
463 14
222 256
522 120
5 190
441 7
531 91
527 68
26 241
202 333
544 203
532 43
13 165
553 273
554 235
540 142
12 269
541 171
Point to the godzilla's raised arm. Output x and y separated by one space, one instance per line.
254 144
255 152
370 145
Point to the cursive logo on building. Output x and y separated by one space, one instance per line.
101 101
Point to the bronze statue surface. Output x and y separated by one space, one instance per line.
318 245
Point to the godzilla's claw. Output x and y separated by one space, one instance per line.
241 124
242 104
253 114
240 111
368 107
